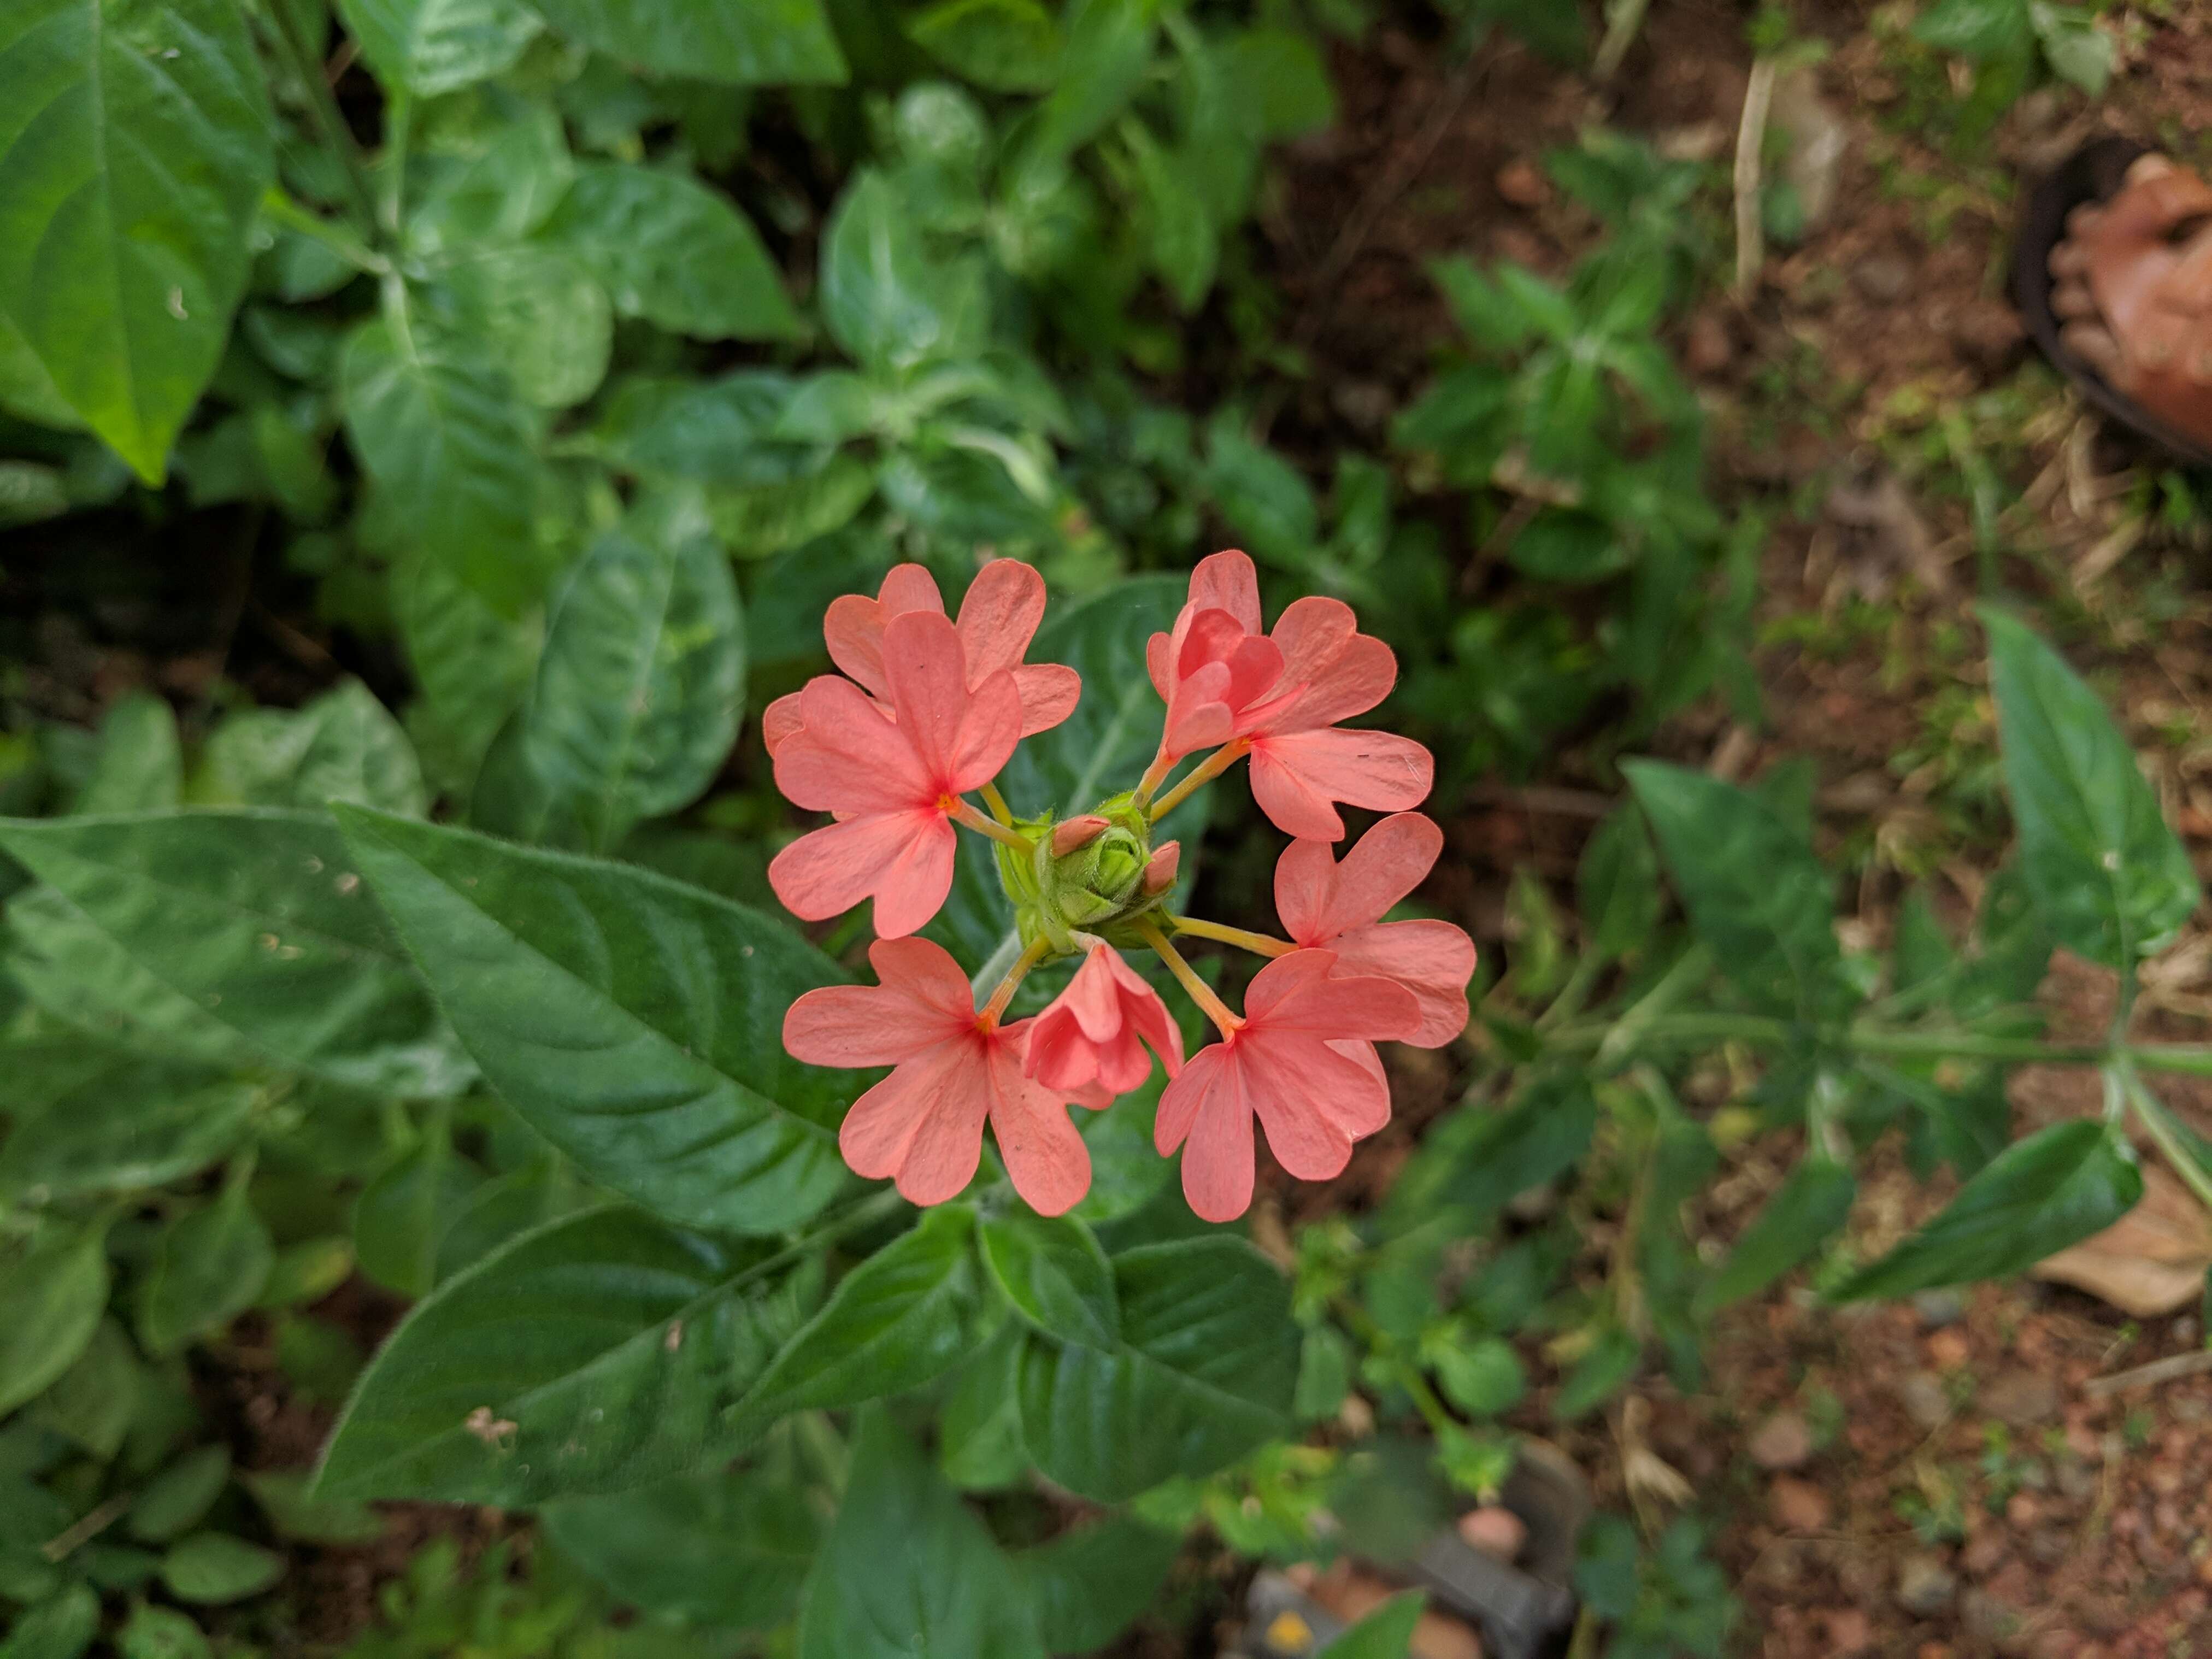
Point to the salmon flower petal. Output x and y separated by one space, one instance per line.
922 1125
1301 1063
1340 906
1094 1033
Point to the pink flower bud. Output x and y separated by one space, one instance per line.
1072 835
1160 869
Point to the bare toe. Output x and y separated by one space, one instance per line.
2072 299
2068 259
2084 219
2093 344
2146 168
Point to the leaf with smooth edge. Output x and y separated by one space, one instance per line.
134 144
758 43
213 1567
343 746
674 251
903 1317
2035 1198
2111 881
1755 892
1204 1372
429 47
51 1299
1385 1633
908 1570
140 764
726 1547
1053 1271
635 1023
1008 46
448 441
208 1266
134 1123
886 297
594 1354
1091 1583
401 1217
536 314
641 684
1806 1211
254 926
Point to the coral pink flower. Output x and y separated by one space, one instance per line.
1087 1042
892 783
1302 1062
1340 907
1282 696
923 1125
997 618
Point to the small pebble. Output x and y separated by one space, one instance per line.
1848 1631
1925 1402
1523 184
1797 1505
1925 1586
1782 1442
2021 1398
1943 1307
1495 1530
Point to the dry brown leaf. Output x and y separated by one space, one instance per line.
2149 1262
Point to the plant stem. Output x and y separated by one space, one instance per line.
989 1018
872 1208
282 209
1623 18
997 803
2160 1124
1154 775
1201 992
1200 776
1410 1377
1222 933
307 66
961 813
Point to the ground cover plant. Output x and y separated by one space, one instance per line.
804 853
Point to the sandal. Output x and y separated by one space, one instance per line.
2113 275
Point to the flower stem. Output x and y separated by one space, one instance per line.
1200 776
987 1020
1154 775
1222 933
961 813
1201 992
280 209
308 67
997 803
2156 1118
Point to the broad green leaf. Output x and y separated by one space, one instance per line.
135 143
1604 1368
140 765
447 439
51 1296
1110 47
159 1632
1203 1373
343 746
1091 1583
1385 1633
979 1428
674 251
213 1567
907 1572
635 1023
1265 500
1973 28
1806 1211
252 925
473 667
403 1213
640 684
2112 880
1008 46
2035 1198
537 314
503 1208
296 1513
1053 1271
760 43
2077 51
93 1401
1482 1378
902 1318
595 1353
133 1123
429 47
1756 894
60 1628
1617 882
27 391
887 297
208 1266
175 1502
1477 1163
496 176
1279 76
728 1548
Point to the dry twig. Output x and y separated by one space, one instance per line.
1750 142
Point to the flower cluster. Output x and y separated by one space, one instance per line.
928 710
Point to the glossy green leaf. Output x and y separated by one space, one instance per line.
2111 881
635 1023
494 175
208 1266
132 1123
887 297
51 1296
343 746
1385 1633
245 930
1008 46
1483 1378
595 1353
1757 896
640 684
92 1401
471 664
60 1628
135 143
727 1548
1110 47
1091 1583
403 1213
537 313
157 1632
213 1567
177 1499
1203 1373
761 43
429 47
140 765
907 1572
449 441
1053 1271
674 251
297 1514
1807 1210
902 1318
2040 1194
979 1427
